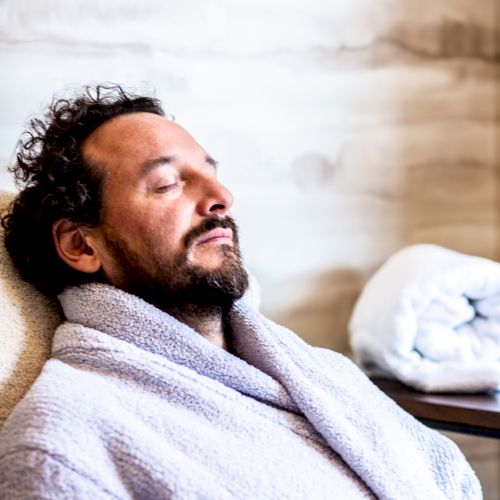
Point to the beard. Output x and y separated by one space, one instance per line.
175 283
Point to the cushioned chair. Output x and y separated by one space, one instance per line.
27 322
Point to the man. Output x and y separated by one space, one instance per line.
162 382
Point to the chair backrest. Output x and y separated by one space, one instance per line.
27 321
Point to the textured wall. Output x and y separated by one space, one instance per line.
345 129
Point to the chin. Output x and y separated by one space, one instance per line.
221 258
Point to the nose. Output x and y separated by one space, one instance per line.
217 199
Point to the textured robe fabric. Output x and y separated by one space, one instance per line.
135 404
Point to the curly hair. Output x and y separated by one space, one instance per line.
58 182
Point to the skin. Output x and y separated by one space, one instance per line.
160 183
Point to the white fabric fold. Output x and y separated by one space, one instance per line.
135 404
430 317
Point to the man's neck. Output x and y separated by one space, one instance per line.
209 323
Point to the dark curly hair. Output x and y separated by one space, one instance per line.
58 182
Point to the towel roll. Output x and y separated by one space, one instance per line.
430 317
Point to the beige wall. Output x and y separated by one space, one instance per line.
345 129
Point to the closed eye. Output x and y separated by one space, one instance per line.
168 187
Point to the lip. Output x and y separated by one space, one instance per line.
218 235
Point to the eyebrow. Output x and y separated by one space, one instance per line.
161 160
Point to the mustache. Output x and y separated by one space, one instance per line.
209 224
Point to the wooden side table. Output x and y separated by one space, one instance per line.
477 414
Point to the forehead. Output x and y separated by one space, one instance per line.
127 141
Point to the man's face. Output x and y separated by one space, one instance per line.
166 233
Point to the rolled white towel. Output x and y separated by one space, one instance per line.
430 317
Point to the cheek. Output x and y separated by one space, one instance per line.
160 231
151 225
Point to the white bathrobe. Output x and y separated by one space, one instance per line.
135 404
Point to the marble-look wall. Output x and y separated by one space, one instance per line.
346 130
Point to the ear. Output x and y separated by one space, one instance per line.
75 247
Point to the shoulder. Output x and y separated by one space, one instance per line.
60 403
42 442
340 362
36 473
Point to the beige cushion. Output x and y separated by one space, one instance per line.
27 321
